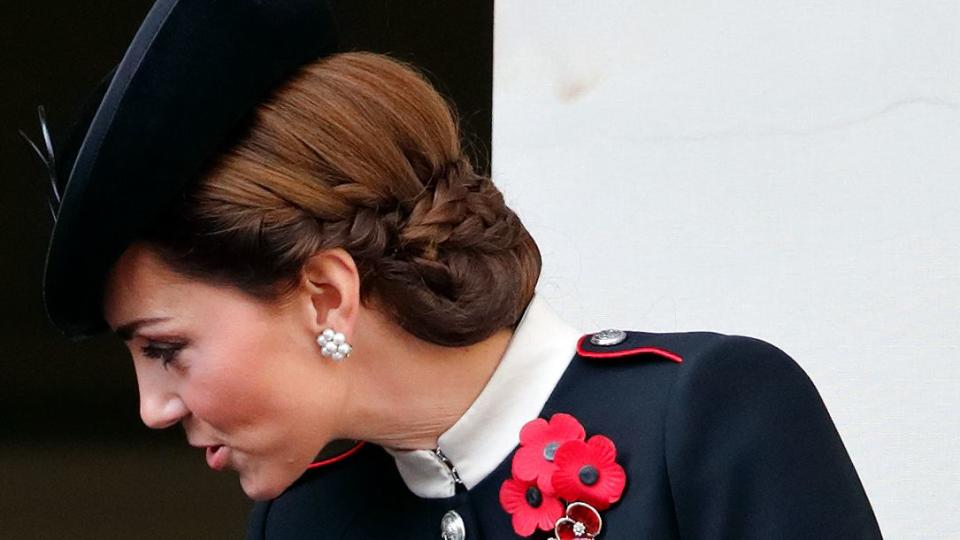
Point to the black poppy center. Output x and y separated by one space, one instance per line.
534 497
589 475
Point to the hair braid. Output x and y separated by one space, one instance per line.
358 151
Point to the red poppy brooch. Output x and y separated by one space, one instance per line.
561 480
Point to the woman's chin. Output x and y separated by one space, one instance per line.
261 488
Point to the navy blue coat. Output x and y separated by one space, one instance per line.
720 437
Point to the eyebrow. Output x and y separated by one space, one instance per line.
127 330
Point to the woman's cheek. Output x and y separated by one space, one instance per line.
224 400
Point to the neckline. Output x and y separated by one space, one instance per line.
536 358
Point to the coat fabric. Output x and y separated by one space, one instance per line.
720 436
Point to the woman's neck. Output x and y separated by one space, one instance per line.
412 392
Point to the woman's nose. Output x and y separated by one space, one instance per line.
159 406
159 412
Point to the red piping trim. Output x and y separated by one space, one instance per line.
626 352
338 457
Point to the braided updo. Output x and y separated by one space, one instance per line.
357 150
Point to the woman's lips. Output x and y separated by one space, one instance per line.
217 456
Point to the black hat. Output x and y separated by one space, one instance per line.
193 72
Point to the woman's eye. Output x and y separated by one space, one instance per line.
166 353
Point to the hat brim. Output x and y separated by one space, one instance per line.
193 72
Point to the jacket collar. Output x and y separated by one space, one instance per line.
536 357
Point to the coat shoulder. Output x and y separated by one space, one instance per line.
745 429
683 366
689 350
640 377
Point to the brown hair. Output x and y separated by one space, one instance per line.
357 150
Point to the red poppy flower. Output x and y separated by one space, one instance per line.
529 507
582 521
539 441
588 472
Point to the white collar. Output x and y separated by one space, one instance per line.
536 357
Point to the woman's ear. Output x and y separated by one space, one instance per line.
332 284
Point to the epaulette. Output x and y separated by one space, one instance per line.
612 343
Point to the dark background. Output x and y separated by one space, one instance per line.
75 460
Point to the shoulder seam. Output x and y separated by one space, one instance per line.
664 415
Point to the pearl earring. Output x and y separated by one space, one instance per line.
334 344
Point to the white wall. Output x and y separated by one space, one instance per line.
786 170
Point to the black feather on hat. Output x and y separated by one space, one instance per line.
194 70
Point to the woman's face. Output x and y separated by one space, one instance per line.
245 379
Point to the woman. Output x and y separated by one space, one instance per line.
296 250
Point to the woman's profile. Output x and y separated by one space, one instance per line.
297 250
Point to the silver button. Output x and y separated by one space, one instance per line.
608 337
452 527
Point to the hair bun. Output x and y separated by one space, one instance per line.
358 151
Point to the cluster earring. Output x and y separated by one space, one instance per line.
334 344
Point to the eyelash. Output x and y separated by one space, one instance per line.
166 354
